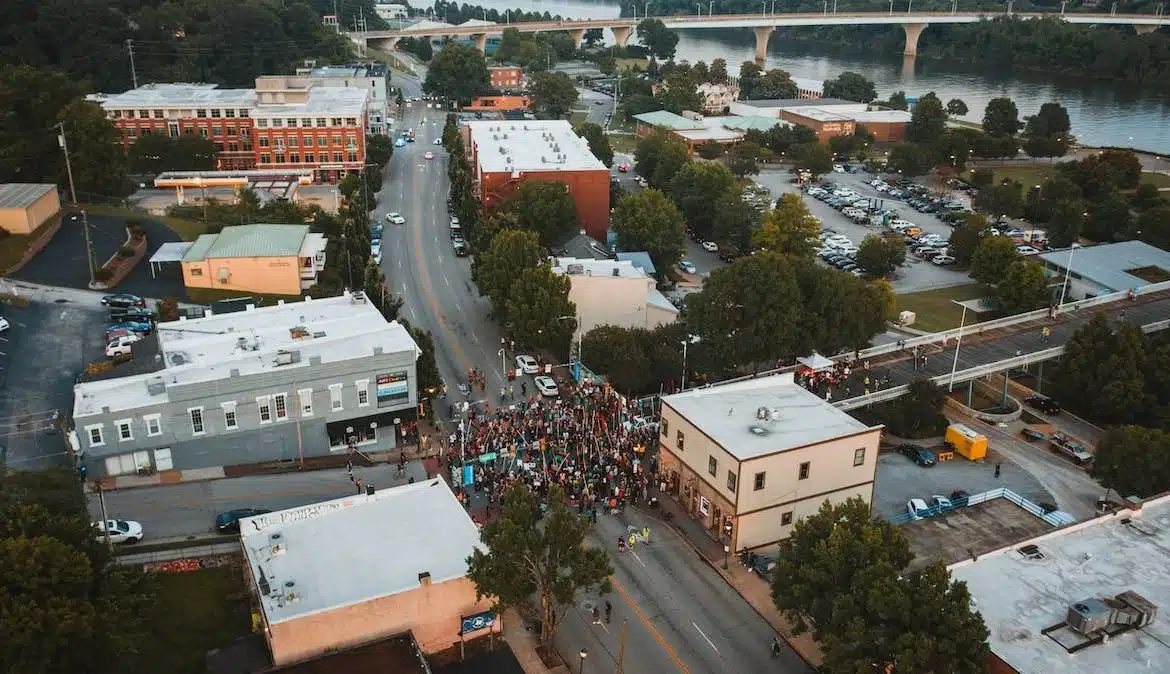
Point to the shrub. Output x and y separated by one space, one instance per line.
126 251
168 309
103 274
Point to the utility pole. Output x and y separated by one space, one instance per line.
621 652
133 72
68 167
105 516
88 245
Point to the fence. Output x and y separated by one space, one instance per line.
190 552
1056 518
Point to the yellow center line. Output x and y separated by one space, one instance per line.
646 621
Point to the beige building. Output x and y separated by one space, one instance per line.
750 459
614 292
264 259
342 573
717 97
26 206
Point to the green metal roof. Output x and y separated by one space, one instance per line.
751 123
668 120
249 241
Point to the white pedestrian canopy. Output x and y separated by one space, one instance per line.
168 252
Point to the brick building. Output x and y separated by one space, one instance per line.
285 122
505 154
507 77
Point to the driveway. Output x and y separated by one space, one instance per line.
62 262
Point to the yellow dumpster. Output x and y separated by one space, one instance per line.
967 442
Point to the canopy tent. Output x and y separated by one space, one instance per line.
168 252
816 362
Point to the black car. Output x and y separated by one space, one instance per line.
917 453
133 315
1045 405
460 246
123 300
229 522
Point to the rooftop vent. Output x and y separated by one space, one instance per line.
299 332
758 430
318 334
617 272
1031 552
575 269
1095 620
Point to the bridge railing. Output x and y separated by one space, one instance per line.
1056 518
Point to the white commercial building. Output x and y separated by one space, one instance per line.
1106 268
614 292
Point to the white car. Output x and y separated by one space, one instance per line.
396 218
527 364
121 531
917 509
3 324
1027 250
454 221
710 247
685 265
429 155
376 251
943 260
546 386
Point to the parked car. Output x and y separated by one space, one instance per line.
123 300
527 364
376 251
3 324
121 531
121 345
546 386
396 218
229 522
1045 405
710 247
623 168
917 453
461 248
1026 250
687 266
120 315
943 260
917 509
144 328
939 502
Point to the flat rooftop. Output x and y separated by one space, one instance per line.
323 549
1020 595
882 116
324 100
177 95
798 102
280 338
510 146
728 414
1109 264
973 530
819 114
23 195
581 266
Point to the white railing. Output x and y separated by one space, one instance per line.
1055 518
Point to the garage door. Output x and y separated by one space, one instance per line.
162 459
120 464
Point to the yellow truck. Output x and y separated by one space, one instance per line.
966 442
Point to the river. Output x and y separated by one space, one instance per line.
1102 113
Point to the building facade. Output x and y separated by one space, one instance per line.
505 78
373 78
614 292
1083 272
262 259
505 154
285 122
750 459
24 207
717 97
312 378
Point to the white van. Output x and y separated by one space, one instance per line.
121 345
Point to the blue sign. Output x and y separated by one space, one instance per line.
468 474
479 621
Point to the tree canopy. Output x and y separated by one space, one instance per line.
1134 461
651 222
789 228
850 86
659 156
598 142
1103 375
539 311
993 256
660 40
510 252
1001 117
547 208
553 93
696 186
879 256
927 120
458 72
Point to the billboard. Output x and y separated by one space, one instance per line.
392 389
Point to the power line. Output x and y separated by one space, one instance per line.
133 71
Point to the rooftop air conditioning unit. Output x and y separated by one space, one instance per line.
617 272
575 269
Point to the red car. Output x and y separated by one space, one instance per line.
623 168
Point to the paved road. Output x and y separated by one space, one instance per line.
597 104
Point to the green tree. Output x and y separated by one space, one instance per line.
1024 287
660 40
734 220
1134 461
897 101
789 229
374 285
717 73
1001 117
710 150
1108 217
910 159
1066 222
750 75
459 73
993 256
1145 197
538 301
607 64
1102 375
493 270
553 93
155 153
957 107
814 157
850 86
593 37
526 554
380 148
918 413
879 256
965 238
1153 226
547 208
742 159
429 379
598 142
696 186
982 177
837 552
927 121
776 83
651 222
1006 198
673 157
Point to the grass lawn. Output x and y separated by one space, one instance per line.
188 230
12 248
209 295
623 143
935 309
1035 174
622 64
578 117
1158 180
194 613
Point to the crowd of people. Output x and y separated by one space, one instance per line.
590 441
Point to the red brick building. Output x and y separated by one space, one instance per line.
507 77
504 154
285 123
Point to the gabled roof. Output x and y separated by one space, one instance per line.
249 241
23 195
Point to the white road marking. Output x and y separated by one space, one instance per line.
448 281
709 642
400 263
637 557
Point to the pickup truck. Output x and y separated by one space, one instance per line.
1070 447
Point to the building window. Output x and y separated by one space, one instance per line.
245 132
337 158
280 404
125 432
96 439
665 427
859 456
804 470
351 157
291 122
712 465
351 141
131 132
203 132
243 112
759 481
335 402
196 420
233 147
217 130
679 440
153 425
363 392
262 123
230 421
306 122
306 397
265 405
730 481
321 141
231 131
158 114
229 113
215 112
309 158
334 121
263 141
351 121
278 123
116 114
786 518
320 122
279 157
201 113
337 139
265 159
293 141
294 157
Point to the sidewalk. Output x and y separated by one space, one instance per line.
523 644
751 587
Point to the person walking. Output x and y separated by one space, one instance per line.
608 611
997 471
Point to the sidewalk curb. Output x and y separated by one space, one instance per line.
686 539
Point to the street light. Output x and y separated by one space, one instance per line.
584 653
698 9
646 11
958 343
1067 272
690 339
